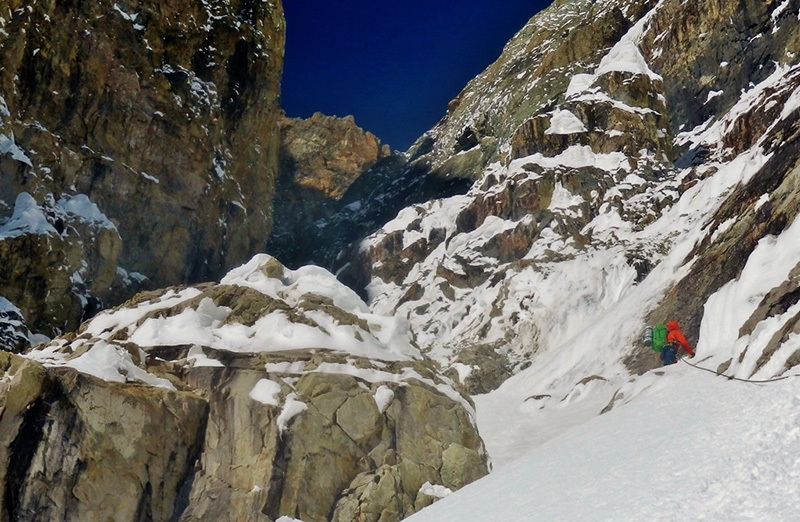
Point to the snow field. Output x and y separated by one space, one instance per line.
691 447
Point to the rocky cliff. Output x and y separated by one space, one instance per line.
158 120
616 152
275 393
320 158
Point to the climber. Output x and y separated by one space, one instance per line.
675 341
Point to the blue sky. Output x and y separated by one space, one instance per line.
393 65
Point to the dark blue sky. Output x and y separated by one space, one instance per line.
393 64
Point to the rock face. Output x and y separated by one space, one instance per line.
326 154
606 138
275 393
162 114
528 79
58 260
320 157
79 448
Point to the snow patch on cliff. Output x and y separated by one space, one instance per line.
344 325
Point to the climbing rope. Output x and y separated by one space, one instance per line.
732 378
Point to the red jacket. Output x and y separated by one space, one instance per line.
674 335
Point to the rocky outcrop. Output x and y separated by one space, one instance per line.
532 73
709 51
510 111
278 394
162 114
320 157
259 459
326 154
59 262
529 78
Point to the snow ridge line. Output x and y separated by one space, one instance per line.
732 378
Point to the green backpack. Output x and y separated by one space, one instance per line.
659 337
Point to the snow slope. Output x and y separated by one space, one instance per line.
693 446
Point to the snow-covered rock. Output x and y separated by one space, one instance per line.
59 261
14 335
623 163
610 208
281 392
